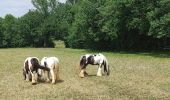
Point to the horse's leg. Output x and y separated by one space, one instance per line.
85 73
47 76
24 74
39 74
43 75
82 73
33 74
27 76
53 76
57 72
99 72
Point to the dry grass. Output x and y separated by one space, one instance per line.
133 77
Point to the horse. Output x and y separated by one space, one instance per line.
53 64
30 70
94 59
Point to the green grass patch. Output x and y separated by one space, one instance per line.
134 76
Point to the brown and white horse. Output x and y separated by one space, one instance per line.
94 59
53 64
30 70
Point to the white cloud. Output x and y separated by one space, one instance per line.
16 7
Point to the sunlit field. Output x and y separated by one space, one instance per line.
134 76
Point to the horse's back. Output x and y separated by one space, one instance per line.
55 59
28 60
98 58
50 61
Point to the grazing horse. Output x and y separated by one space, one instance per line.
30 70
53 64
94 59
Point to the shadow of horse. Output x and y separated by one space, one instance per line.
93 75
59 81
45 82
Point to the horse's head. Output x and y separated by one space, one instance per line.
83 61
35 63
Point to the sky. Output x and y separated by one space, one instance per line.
16 7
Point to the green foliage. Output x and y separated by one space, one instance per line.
91 24
30 28
1 32
121 25
9 28
160 20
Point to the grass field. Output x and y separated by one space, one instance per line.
134 76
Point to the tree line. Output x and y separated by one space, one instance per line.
90 24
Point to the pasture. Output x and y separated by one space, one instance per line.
140 76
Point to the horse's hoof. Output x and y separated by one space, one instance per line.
47 80
99 75
53 82
82 76
34 83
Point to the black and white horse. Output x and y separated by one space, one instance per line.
30 70
53 64
94 59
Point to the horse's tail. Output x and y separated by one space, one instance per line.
106 66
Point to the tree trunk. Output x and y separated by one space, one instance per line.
45 42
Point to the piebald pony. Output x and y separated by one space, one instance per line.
30 70
94 59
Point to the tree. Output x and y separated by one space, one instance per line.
30 28
1 32
91 24
9 30
45 7
159 19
